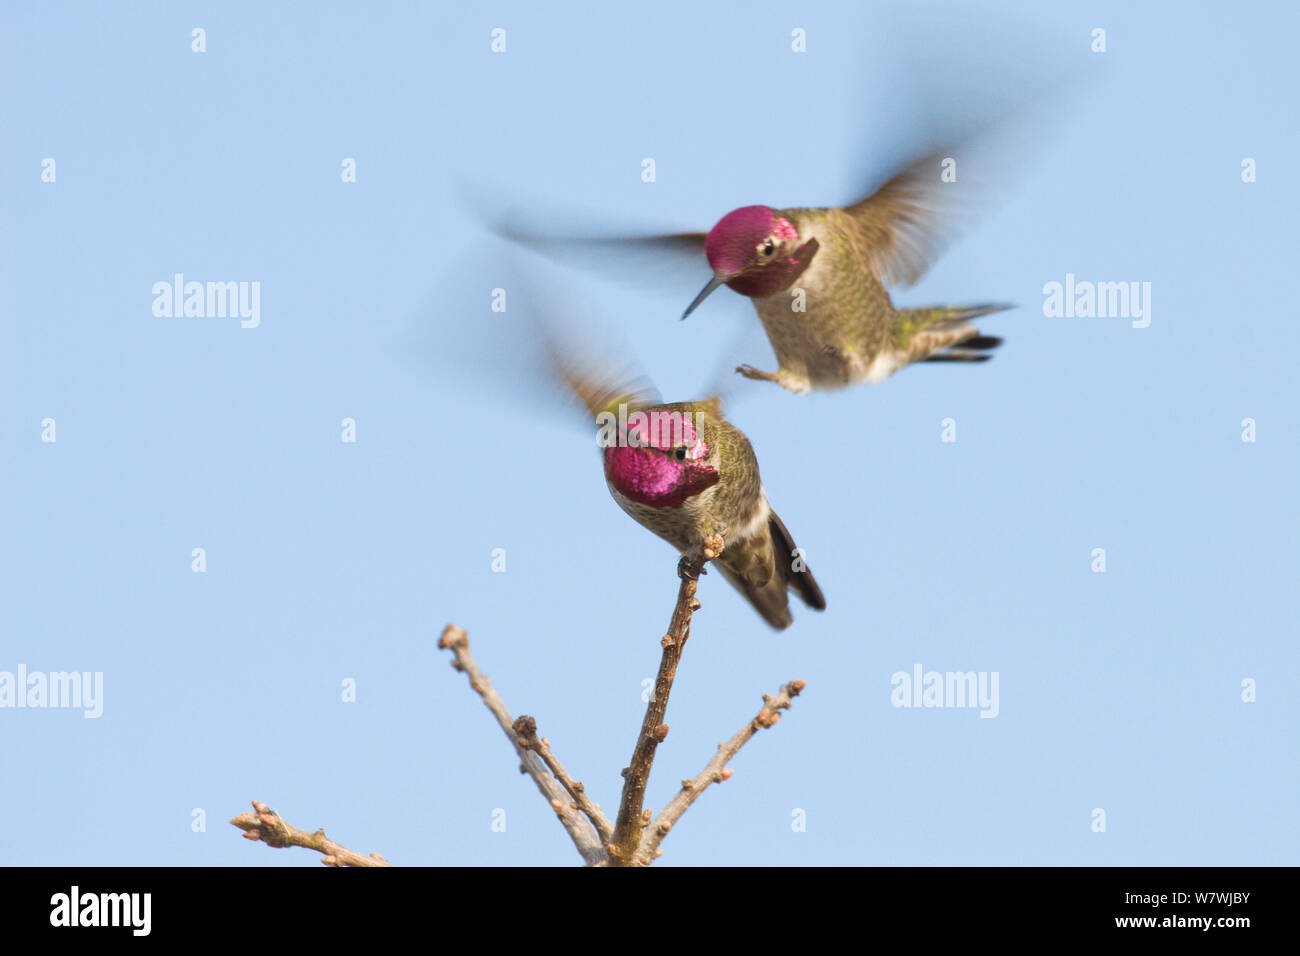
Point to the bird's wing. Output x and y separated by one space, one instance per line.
681 244
669 264
587 240
770 599
903 226
602 389
802 581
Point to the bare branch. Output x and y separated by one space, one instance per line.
631 818
581 830
634 838
525 729
266 825
715 772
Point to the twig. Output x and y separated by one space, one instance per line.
715 771
266 825
631 817
585 837
525 729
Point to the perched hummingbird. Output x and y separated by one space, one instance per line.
686 473
819 279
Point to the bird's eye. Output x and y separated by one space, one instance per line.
768 247
680 453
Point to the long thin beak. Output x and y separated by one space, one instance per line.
704 294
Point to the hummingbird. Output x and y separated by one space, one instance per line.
686 473
819 279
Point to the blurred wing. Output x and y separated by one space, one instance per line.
604 389
543 352
990 106
685 246
591 364
906 223
670 264
976 145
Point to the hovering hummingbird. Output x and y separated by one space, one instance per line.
686 473
819 280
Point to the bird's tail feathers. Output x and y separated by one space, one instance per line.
946 333
947 317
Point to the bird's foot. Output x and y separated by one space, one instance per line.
693 565
750 372
787 380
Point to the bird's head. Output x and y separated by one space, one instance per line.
661 457
755 251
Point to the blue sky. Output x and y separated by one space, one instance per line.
329 561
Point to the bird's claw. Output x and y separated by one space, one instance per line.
689 567
783 378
